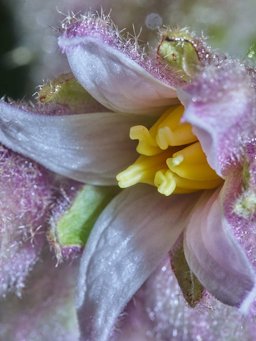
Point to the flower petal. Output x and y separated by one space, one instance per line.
113 78
46 310
239 210
128 241
220 106
215 256
90 148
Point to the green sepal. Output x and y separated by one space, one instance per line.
190 286
74 226
64 90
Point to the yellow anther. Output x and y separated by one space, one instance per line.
171 117
195 185
147 137
171 158
147 144
129 177
191 154
191 171
182 135
143 170
164 181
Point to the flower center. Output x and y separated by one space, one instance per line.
171 158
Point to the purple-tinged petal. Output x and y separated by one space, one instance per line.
251 159
25 190
214 255
238 198
220 106
173 320
91 148
240 212
46 310
128 241
114 72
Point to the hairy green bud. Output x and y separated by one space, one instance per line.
64 90
178 49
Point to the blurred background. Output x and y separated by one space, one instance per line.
28 31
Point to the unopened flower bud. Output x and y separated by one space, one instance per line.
178 49
66 91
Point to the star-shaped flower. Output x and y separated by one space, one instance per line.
194 116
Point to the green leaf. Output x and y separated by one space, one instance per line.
191 288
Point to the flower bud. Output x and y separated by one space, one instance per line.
66 91
178 49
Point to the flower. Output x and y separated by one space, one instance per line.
140 226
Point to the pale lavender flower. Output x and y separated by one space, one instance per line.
142 224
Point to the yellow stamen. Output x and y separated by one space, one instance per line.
147 144
200 171
148 137
143 170
178 137
167 183
171 158
191 154
196 185
164 181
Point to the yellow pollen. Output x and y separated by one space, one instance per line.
171 158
